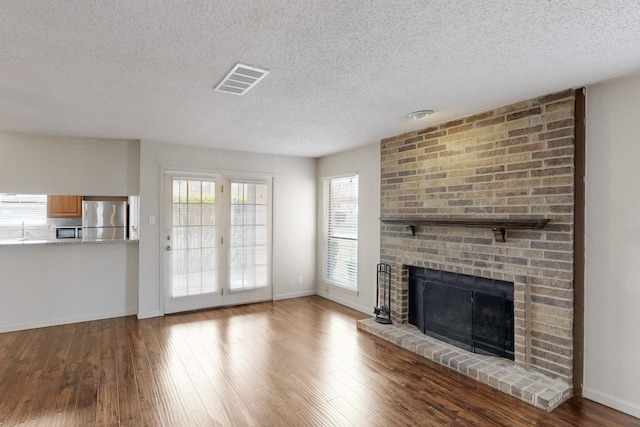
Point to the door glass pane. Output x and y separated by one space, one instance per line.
194 238
194 194
179 238
194 214
248 245
208 214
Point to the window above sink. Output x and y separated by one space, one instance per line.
27 209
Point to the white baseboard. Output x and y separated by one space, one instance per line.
64 321
333 297
295 295
150 314
632 409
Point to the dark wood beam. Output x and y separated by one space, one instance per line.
579 242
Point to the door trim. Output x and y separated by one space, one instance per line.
201 300
226 175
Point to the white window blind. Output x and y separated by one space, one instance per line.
30 209
340 206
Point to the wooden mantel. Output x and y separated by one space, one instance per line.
498 225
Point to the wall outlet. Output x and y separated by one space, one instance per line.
326 289
299 280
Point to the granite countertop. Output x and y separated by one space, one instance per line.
60 242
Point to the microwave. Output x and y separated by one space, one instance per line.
68 232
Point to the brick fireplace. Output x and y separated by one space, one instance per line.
514 162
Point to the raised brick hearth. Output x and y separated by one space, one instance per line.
512 162
529 386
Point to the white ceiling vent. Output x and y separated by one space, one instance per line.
241 78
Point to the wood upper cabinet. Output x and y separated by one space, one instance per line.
64 206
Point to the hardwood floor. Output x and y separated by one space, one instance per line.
298 362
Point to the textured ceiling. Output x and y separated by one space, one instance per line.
343 73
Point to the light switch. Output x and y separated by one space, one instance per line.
152 219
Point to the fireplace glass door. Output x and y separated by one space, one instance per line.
447 313
492 329
472 313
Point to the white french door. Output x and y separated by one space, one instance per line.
217 241
249 248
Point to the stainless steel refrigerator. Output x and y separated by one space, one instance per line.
104 220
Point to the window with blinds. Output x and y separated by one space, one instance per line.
16 209
340 207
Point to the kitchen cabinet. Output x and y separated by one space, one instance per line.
64 206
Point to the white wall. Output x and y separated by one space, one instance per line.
38 164
52 285
612 283
294 219
47 285
365 161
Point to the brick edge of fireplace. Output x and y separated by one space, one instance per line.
533 388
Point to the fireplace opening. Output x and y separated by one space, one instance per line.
473 313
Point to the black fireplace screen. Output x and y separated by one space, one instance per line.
470 312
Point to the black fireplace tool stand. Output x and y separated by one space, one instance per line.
383 294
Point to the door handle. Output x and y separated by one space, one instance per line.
167 248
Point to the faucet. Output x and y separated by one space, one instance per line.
24 234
